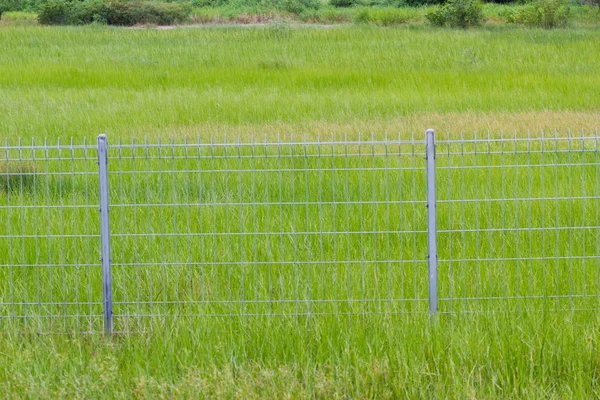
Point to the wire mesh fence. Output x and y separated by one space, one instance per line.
294 227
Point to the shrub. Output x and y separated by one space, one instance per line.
63 12
457 13
547 14
11 5
341 3
133 13
54 12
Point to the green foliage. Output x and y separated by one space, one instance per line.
62 12
54 12
133 13
11 5
341 3
547 14
457 13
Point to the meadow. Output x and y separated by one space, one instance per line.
298 271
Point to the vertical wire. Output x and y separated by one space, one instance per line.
348 237
322 259
228 235
476 203
334 217
388 225
37 244
543 224
294 234
282 268
414 222
491 223
463 232
48 197
450 230
400 225
175 202
62 235
268 226
9 230
570 162
503 253
556 155
362 230
374 202
190 296
75 247
87 233
308 246
201 227
597 195
583 211
517 232
162 230
241 235
22 212
122 209
281 246
215 265
135 231
530 220
148 236
254 230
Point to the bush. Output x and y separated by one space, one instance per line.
133 13
54 12
457 13
341 3
64 12
547 14
11 5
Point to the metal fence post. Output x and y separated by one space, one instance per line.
432 255
105 234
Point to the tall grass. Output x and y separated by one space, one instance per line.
82 81
519 356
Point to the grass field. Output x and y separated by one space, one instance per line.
197 83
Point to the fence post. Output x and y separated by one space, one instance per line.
105 234
432 255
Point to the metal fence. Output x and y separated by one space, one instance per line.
296 227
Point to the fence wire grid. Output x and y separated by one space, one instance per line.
274 227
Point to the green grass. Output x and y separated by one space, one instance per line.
516 356
78 82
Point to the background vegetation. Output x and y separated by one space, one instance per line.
458 13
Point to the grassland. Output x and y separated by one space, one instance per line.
75 82
198 83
